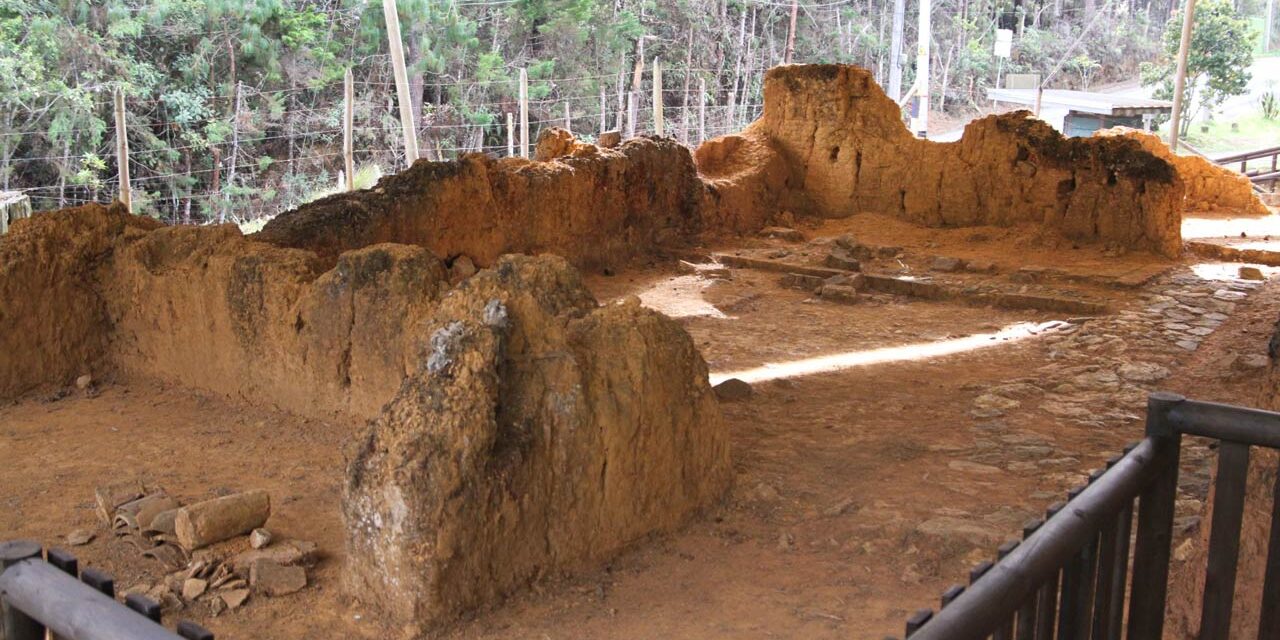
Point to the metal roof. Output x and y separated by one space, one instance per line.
1083 101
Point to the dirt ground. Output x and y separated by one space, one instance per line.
860 493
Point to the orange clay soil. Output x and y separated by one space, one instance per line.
856 496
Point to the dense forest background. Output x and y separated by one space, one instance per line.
234 107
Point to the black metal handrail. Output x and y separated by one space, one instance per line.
1069 576
38 595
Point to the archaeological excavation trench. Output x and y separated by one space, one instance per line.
507 426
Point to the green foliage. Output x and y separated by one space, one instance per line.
1218 59
198 154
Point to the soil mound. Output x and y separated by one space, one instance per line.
1209 186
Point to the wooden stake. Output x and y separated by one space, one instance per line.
1180 80
657 97
348 117
392 16
524 113
702 109
622 87
568 120
791 32
604 120
122 153
511 135
631 114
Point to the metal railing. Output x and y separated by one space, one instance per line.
39 594
1069 575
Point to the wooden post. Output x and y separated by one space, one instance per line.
1180 80
122 153
631 114
524 113
348 117
791 33
511 135
895 50
622 88
568 120
702 109
922 68
604 108
684 93
657 97
392 17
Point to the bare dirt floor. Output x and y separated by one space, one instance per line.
888 445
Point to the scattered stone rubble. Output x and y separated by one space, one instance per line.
194 572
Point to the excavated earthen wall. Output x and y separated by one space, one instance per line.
848 152
1209 187
530 441
596 207
518 428
52 311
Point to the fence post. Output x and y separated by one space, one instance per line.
392 16
1155 523
702 110
511 135
14 624
568 120
122 152
524 113
603 111
348 116
631 114
657 97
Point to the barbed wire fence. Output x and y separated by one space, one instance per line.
273 167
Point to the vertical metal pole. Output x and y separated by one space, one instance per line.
922 68
657 97
1180 80
511 135
14 624
392 16
348 118
702 109
895 50
122 153
524 113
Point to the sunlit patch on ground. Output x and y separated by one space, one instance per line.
681 297
917 351
1227 271
1253 227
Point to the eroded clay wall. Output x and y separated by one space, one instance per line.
595 207
536 436
53 314
1209 187
206 308
518 428
848 152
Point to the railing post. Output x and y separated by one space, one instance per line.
1155 523
14 624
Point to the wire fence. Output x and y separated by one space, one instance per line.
245 179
